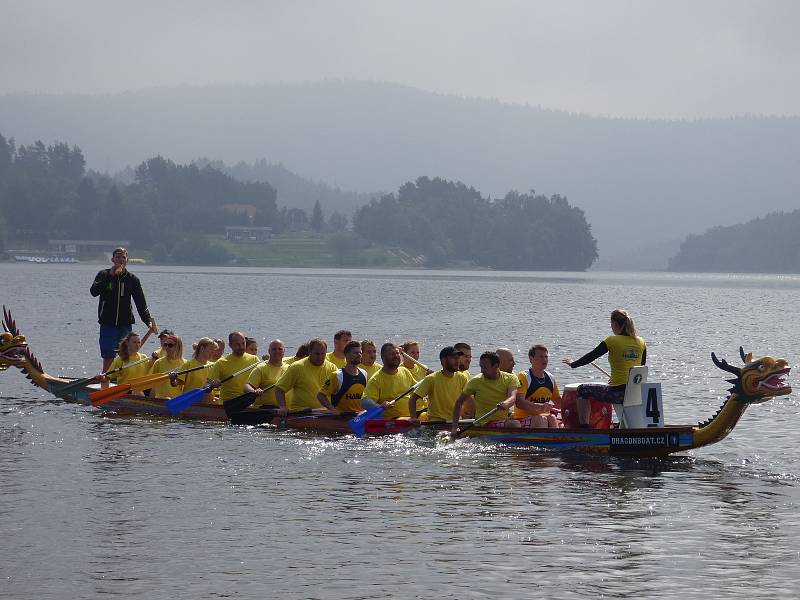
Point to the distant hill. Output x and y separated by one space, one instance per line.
641 183
765 245
294 190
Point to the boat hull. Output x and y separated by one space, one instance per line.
651 442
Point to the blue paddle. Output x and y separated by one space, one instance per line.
359 423
180 403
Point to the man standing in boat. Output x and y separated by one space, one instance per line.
116 287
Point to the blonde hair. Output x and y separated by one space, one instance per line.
203 342
178 346
625 322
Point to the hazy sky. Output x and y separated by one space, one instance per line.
671 58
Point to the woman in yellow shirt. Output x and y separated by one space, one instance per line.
625 349
204 353
128 352
173 348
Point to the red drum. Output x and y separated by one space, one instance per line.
599 412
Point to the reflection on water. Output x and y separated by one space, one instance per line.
108 506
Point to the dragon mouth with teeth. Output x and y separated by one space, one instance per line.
775 382
12 350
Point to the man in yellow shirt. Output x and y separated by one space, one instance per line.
388 383
442 388
369 354
410 350
236 360
507 362
340 339
492 389
537 391
465 360
263 376
305 379
343 390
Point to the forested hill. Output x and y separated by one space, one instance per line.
294 191
764 245
448 221
659 180
173 209
46 192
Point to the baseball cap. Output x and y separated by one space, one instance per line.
449 351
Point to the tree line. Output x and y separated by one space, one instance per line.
47 193
768 244
448 221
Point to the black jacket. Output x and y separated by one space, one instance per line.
115 298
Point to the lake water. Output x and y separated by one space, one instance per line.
94 506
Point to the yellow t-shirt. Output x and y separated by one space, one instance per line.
489 392
228 365
195 379
418 372
383 387
126 375
305 380
442 392
536 390
372 369
339 362
165 389
264 376
350 400
624 352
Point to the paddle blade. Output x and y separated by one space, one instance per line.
388 427
72 386
184 401
145 382
100 397
238 404
358 424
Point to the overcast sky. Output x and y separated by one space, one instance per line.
635 58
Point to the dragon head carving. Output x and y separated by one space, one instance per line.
759 379
13 347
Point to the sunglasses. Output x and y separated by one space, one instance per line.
169 345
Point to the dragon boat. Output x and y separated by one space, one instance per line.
757 381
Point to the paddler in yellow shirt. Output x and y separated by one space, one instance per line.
203 353
305 379
410 351
492 389
172 361
127 353
369 352
236 360
340 339
442 388
388 383
344 389
266 375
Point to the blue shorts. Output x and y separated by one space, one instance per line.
110 335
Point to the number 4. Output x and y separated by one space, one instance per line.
652 410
